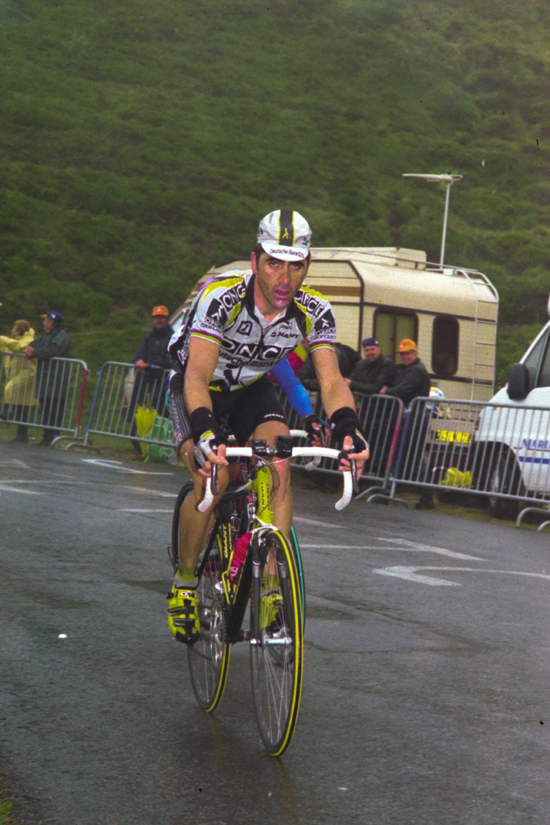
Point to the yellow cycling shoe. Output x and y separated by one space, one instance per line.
183 614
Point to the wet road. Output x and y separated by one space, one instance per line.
427 665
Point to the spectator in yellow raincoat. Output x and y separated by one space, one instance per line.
19 392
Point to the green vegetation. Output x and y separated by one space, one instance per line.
140 144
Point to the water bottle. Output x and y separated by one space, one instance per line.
239 555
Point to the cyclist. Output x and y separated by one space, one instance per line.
240 326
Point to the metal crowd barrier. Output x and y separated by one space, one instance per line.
498 451
380 417
46 393
126 402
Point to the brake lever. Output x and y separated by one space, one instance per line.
355 480
214 479
353 468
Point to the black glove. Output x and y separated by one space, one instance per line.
344 422
207 434
309 421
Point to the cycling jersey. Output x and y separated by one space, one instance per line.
250 346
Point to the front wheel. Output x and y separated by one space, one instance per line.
276 645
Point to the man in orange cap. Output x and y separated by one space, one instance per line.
151 362
413 380
153 350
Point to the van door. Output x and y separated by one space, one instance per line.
532 445
525 432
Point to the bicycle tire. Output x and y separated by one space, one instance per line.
208 658
300 566
276 649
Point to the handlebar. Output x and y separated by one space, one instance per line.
310 451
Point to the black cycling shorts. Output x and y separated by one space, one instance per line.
238 412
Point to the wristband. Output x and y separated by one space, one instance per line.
202 421
344 422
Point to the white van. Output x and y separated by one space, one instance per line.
518 434
393 293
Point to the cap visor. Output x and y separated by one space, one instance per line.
285 253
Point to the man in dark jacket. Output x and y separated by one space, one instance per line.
413 382
52 376
373 372
151 363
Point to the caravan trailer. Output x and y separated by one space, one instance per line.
393 293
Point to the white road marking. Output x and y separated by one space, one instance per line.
7 489
342 547
49 482
154 492
14 462
303 520
128 510
405 547
117 465
410 574
416 546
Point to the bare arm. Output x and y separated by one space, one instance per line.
203 357
335 393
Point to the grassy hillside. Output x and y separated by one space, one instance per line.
141 142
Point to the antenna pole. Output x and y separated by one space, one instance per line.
445 215
449 180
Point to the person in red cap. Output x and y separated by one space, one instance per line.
151 362
413 381
153 350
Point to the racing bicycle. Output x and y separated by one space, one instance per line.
251 589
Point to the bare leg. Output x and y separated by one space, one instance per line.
194 525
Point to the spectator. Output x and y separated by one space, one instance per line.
413 382
51 377
346 357
19 392
372 372
151 362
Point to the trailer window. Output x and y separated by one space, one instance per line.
445 345
391 326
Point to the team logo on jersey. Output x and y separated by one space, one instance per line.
245 328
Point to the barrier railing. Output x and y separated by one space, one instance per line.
47 393
127 402
479 448
380 418
498 451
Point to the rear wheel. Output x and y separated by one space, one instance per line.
276 649
209 657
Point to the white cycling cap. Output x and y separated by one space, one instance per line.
285 234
